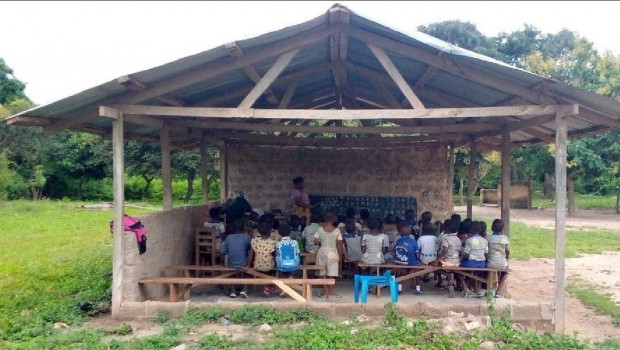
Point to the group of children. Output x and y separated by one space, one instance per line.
265 244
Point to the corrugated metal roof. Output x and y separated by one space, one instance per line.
226 90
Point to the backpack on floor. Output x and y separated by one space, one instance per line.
286 257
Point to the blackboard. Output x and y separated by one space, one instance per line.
378 206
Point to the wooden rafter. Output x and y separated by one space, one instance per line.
134 84
446 64
269 77
235 51
196 76
393 72
426 77
338 43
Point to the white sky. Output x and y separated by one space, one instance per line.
61 48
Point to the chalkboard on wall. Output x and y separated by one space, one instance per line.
378 206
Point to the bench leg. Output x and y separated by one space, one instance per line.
174 292
308 292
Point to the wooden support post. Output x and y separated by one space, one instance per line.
470 178
119 199
451 177
505 203
203 169
560 217
224 172
166 173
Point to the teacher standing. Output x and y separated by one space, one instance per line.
300 199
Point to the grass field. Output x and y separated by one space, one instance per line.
582 201
55 255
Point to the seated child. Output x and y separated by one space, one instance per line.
236 248
449 253
295 223
391 231
374 244
217 224
412 222
474 255
483 229
407 252
364 216
310 231
499 252
287 252
262 253
350 215
428 244
352 241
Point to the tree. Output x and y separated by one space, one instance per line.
77 156
11 88
143 159
186 164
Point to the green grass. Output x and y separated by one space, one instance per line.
534 242
601 303
54 255
582 201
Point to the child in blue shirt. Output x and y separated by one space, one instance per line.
407 251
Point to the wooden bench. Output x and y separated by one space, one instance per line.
282 283
421 270
228 271
304 256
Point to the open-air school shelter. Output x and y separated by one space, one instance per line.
355 107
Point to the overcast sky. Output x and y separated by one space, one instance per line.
61 48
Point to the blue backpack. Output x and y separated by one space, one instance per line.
287 258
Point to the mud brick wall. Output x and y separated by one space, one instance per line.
264 174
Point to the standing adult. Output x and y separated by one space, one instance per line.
300 199
236 207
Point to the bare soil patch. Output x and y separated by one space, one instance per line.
532 280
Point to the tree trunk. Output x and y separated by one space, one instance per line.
548 186
570 189
145 190
618 194
80 183
461 185
529 197
191 175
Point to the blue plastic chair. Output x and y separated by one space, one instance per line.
363 282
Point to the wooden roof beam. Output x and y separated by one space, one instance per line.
251 113
338 43
235 51
398 79
134 84
213 69
396 130
446 64
269 77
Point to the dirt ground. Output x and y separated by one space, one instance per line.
532 280
545 218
